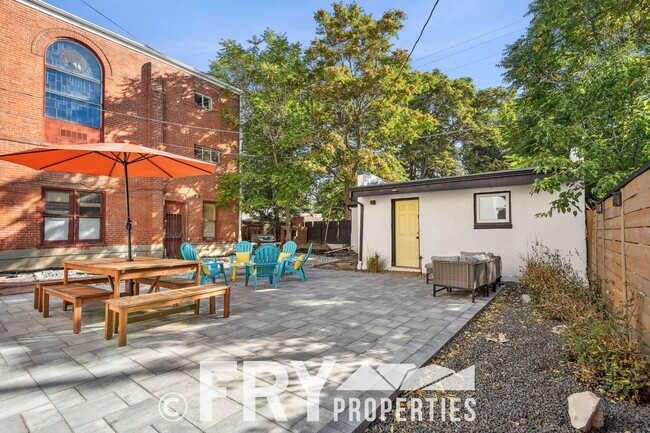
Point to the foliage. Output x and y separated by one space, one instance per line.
582 113
375 263
602 343
466 137
360 95
272 73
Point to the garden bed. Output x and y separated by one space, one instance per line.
521 384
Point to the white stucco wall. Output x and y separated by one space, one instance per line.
447 227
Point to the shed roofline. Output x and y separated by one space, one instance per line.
492 179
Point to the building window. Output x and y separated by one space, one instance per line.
202 101
73 84
207 154
209 220
492 210
72 216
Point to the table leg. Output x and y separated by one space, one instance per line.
197 306
226 304
108 325
65 274
213 304
198 274
116 295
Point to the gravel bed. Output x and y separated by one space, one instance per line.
522 384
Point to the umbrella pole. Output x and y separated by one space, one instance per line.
128 207
129 256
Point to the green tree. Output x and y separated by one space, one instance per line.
582 114
272 74
361 93
466 137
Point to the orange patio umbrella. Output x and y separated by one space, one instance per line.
120 159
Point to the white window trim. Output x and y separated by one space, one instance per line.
203 98
504 223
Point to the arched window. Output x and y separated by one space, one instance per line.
73 84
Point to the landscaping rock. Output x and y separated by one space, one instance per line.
559 329
585 411
525 299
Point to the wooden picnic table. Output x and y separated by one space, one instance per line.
119 269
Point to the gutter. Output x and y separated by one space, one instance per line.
360 253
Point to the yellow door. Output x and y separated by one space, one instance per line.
407 236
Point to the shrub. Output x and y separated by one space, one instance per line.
558 291
603 345
375 263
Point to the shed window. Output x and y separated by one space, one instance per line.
492 210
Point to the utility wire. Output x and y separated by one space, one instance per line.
469 40
471 47
119 26
475 61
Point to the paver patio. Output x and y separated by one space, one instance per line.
53 380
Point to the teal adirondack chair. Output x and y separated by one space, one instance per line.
289 248
298 263
210 269
241 247
265 265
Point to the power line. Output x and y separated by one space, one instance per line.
469 40
100 13
475 61
410 52
469 48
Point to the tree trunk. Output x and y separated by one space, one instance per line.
346 209
287 216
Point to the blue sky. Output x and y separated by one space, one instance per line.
190 30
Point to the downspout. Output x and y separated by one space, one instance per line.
360 253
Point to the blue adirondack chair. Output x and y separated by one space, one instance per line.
241 247
296 265
210 269
265 265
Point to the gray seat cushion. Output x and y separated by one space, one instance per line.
452 259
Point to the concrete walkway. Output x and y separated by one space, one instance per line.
55 381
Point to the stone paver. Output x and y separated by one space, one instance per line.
54 380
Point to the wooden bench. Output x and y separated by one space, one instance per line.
155 284
38 288
121 307
76 294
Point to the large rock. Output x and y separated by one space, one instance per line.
525 299
585 411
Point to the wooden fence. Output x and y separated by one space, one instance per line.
618 245
338 232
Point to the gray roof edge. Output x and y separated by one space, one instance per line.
119 39
502 174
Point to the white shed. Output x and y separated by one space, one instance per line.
408 222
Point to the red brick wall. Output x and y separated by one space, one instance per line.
145 100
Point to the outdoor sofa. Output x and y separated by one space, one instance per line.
475 271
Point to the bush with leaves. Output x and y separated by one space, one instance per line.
604 346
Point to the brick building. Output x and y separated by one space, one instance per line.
64 80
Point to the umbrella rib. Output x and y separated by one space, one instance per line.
148 159
45 167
